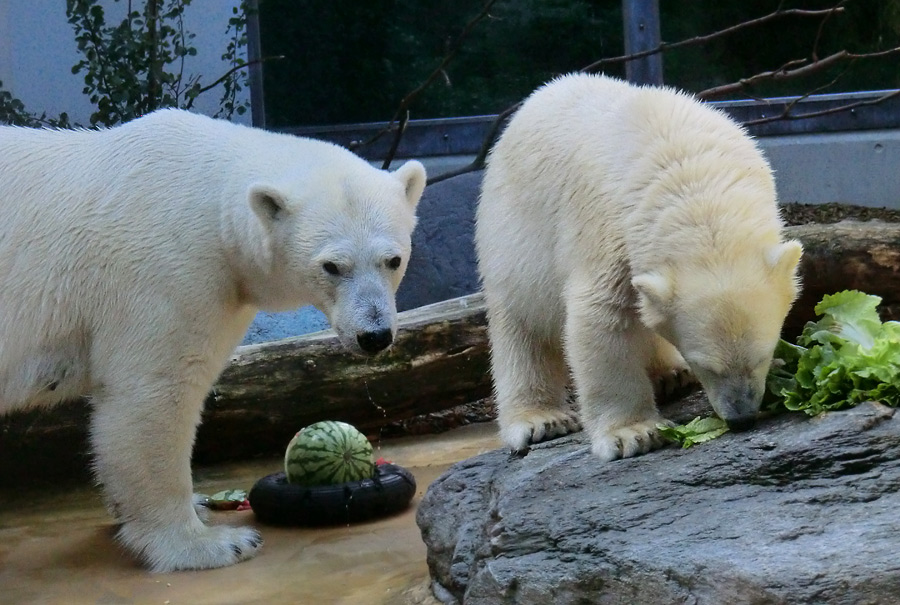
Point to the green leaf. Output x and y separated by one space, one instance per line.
698 430
232 495
850 315
852 357
227 499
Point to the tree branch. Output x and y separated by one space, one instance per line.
438 71
787 115
396 142
224 76
479 161
791 69
665 46
784 73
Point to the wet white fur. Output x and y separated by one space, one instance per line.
615 220
132 261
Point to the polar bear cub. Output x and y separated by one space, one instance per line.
623 231
132 261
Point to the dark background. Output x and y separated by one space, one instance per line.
352 61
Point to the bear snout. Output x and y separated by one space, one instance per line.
373 342
736 400
741 423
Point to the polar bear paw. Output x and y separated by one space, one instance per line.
672 382
199 547
627 441
538 425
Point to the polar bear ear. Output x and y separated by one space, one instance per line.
412 175
784 258
267 202
655 292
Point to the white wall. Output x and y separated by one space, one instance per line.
37 52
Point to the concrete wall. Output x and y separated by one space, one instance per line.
861 168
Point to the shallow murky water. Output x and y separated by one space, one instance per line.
55 547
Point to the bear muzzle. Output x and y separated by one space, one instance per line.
373 342
737 402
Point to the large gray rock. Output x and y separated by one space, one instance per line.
797 511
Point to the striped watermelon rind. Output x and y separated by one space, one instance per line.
328 453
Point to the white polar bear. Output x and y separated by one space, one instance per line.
616 221
132 261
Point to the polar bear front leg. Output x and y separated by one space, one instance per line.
608 353
530 377
143 433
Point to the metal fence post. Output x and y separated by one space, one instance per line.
641 24
254 56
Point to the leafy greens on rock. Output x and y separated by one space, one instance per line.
845 358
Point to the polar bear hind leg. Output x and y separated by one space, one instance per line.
530 378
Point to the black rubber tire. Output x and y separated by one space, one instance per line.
277 502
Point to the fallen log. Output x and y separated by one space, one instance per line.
270 391
440 359
849 255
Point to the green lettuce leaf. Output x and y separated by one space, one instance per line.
849 316
847 357
696 431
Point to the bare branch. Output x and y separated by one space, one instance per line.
224 76
790 106
779 13
782 73
396 143
822 24
786 115
488 142
785 73
438 72
479 161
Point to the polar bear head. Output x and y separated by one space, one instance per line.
725 318
339 240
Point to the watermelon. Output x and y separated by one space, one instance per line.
327 453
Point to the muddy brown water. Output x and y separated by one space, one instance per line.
55 546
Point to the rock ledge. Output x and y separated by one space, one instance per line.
797 511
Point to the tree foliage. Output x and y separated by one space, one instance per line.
137 65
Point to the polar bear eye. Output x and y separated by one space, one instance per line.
331 268
394 263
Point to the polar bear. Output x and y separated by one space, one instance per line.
625 234
132 261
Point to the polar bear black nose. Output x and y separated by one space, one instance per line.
372 342
742 423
